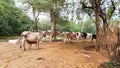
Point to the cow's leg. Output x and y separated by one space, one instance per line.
24 45
38 43
92 39
78 37
30 46
69 39
20 46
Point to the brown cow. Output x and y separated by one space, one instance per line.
70 36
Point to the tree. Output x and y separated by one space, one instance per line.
53 12
40 5
36 7
103 29
12 19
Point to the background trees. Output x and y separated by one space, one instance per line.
62 20
102 15
12 19
35 6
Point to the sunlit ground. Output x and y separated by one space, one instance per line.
77 54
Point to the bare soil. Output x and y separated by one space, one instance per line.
78 54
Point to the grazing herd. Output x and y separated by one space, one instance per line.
78 35
35 37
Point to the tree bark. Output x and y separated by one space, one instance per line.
116 56
36 27
53 26
103 42
35 17
105 37
96 8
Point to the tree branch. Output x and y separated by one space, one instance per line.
102 2
84 6
113 8
99 1
102 14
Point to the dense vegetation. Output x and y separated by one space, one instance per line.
12 20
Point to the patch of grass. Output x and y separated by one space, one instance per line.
111 64
59 38
47 39
9 37
14 37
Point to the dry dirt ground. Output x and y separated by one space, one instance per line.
77 54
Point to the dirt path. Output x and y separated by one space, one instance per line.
50 55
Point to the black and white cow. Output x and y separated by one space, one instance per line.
86 35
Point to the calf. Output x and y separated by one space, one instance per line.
13 41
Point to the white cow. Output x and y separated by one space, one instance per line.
31 38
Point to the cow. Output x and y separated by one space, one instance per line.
31 38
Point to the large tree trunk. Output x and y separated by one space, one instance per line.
106 39
36 27
99 30
35 20
53 26
97 26
104 35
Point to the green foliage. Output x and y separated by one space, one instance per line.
89 27
44 26
80 27
12 20
62 27
111 64
10 2
109 12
